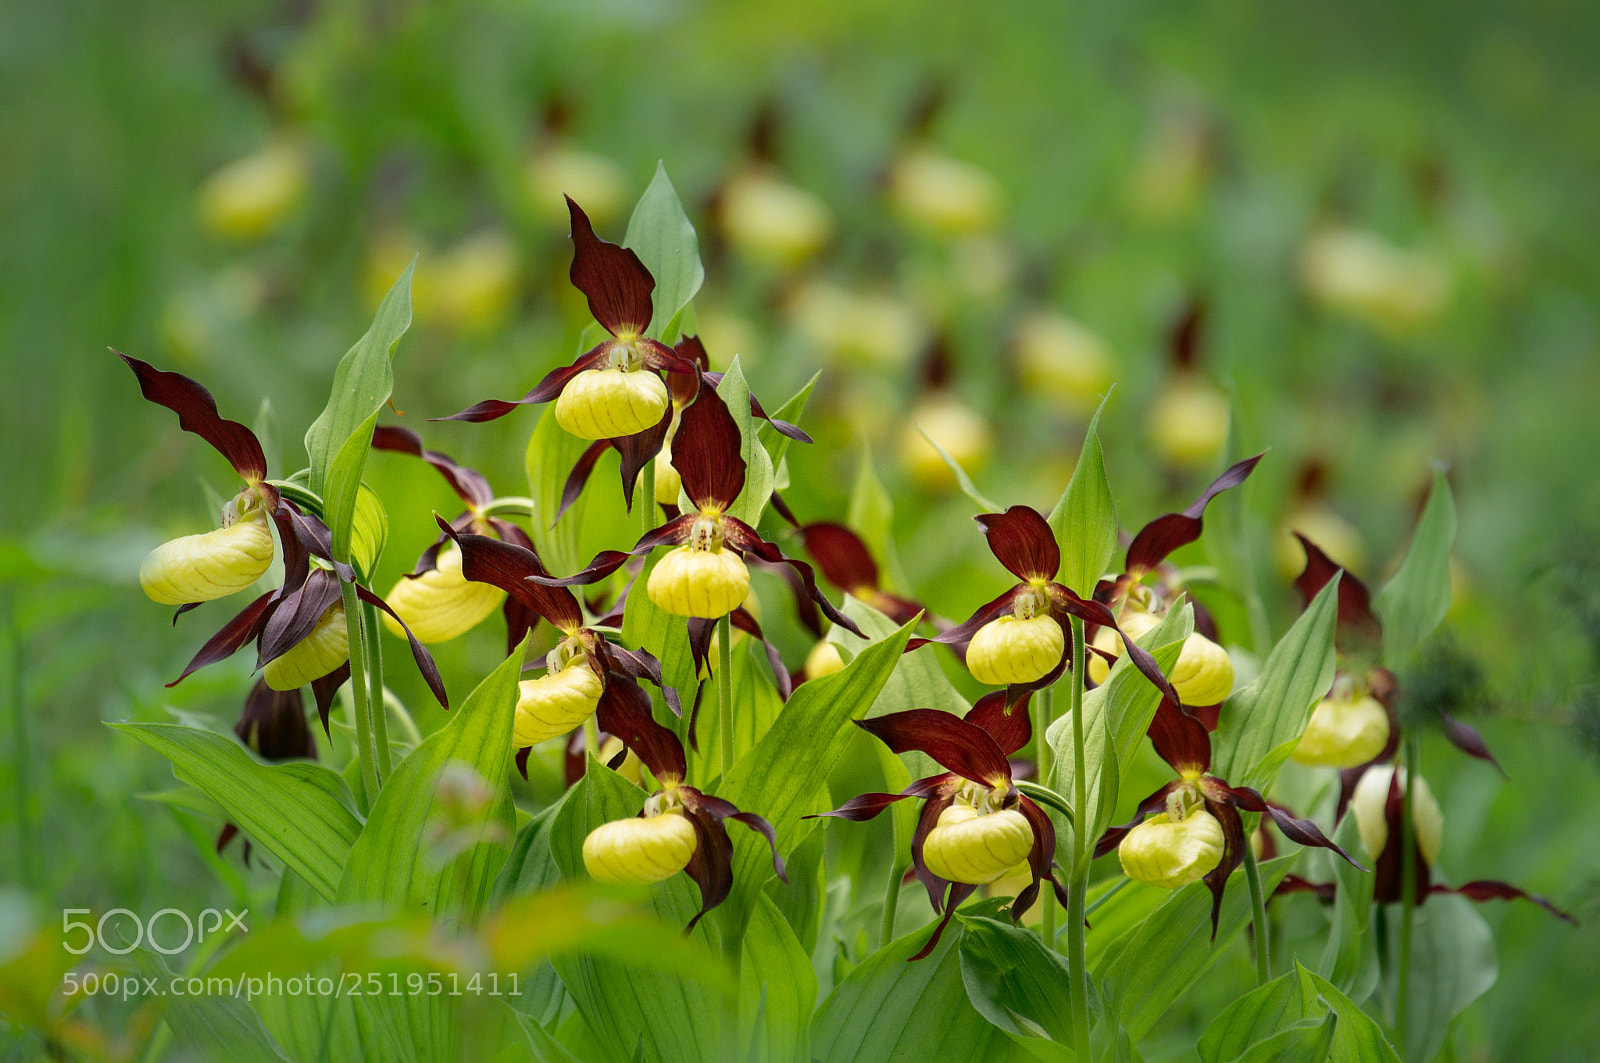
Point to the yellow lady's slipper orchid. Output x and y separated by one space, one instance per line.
647 849
1169 853
975 848
607 403
1203 674
441 604
824 659
1014 649
690 581
320 652
555 703
1344 732
210 565
1370 801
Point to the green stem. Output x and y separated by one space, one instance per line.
891 902
1044 716
591 741
647 498
1408 892
1077 894
29 855
366 750
725 691
1258 905
380 718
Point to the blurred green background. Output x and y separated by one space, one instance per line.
972 217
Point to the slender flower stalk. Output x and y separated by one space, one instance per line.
725 691
1408 890
1077 892
1258 906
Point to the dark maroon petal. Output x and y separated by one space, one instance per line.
959 892
782 427
1022 541
1040 858
658 356
701 632
522 762
613 279
805 607
1183 339
1008 725
705 451
274 723
641 664
229 830
419 652
1066 603
1388 880
578 479
956 745
197 413
711 866
624 711
741 619
685 385
742 537
1165 534
1150 805
1494 890
544 391
1180 739
962 633
296 615
1467 739
467 483
844 559
325 689
639 450
233 635
608 561
781 508
763 828
315 537
1300 831
1233 843
867 806
509 566
1358 626
927 819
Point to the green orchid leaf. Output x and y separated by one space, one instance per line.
963 480
777 990
1085 518
300 812
758 464
1453 963
1015 982
1296 1016
551 454
1415 600
1349 956
776 442
217 1026
650 627
660 233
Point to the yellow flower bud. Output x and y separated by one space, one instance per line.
1172 854
942 195
1011 884
1188 422
703 583
595 181
1372 796
1014 650
606 403
208 566
639 850
1337 537
441 604
1062 361
250 197
975 848
1203 674
772 220
476 282
956 427
824 659
631 768
1344 732
326 648
554 704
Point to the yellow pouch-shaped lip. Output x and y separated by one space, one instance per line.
699 583
326 648
207 566
971 847
441 604
1014 650
1343 732
553 705
639 850
1172 854
607 403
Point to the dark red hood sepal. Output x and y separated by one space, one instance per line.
616 284
1021 539
624 711
1165 534
511 567
197 413
705 451
1358 627
956 745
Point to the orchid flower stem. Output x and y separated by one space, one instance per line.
373 646
647 498
891 902
1408 893
366 748
1044 716
591 740
1077 893
1258 906
725 690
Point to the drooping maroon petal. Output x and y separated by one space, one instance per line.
805 607
1022 541
1150 805
1325 891
1358 627
296 615
660 357
469 484
544 391
1180 739
1468 740
705 451
742 619
641 664
711 866
637 451
956 745
927 819
719 809
1494 890
578 479
744 538
962 633
197 413
608 561
959 892
1233 843
611 277
701 632
1388 880
1008 725
624 711
867 806
844 559
1040 858
1064 602
274 723
1300 831
763 828
782 427
685 385
419 652
325 689
509 566
1165 534
232 636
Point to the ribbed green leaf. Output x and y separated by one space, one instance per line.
1085 518
551 454
220 1028
1297 1016
1016 983
660 233
1452 964
1349 956
1262 723
300 812
1417 596
777 990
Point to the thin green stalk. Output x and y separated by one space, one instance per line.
1258 905
725 691
891 902
591 741
1408 893
29 854
647 498
366 749
1044 716
380 718
1077 894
